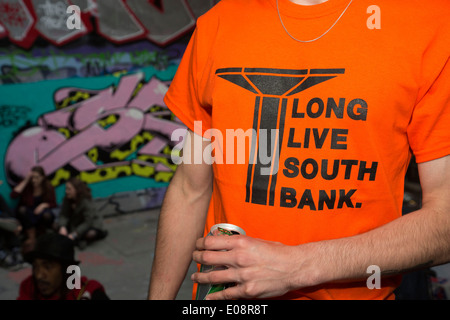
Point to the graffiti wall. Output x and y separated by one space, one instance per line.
119 21
112 129
92 108
82 60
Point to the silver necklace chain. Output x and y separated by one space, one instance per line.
305 41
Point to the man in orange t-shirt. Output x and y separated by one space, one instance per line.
329 99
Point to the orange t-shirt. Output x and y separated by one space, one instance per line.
339 116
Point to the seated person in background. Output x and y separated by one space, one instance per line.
50 258
36 201
10 228
78 218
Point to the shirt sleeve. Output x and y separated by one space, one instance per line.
187 96
14 195
52 197
26 289
429 127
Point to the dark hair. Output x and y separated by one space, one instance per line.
81 188
46 186
39 170
62 290
57 248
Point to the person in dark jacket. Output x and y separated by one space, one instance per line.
78 219
10 228
53 259
37 200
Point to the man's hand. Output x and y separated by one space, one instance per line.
260 269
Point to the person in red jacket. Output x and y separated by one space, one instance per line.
36 200
51 259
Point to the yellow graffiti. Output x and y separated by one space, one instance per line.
121 162
144 167
93 155
78 96
137 89
142 170
105 174
60 176
137 141
108 121
66 132
168 151
163 176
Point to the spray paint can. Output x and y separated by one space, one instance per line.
221 229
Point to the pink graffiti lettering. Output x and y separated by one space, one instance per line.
31 146
44 145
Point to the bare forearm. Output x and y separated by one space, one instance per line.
263 269
417 240
181 223
21 186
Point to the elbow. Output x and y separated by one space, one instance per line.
193 183
196 192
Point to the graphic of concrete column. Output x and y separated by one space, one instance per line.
271 87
